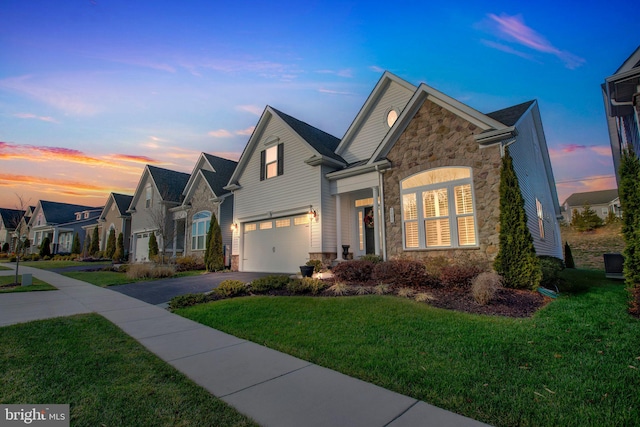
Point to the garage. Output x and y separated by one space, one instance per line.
142 247
279 245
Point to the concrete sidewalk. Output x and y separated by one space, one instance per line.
272 388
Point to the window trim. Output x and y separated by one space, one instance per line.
203 217
279 162
452 217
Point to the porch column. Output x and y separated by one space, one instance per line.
376 220
175 237
338 229
54 241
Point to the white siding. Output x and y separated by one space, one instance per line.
530 169
374 126
328 208
299 186
226 219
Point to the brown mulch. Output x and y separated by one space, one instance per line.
507 302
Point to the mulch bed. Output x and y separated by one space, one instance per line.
507 302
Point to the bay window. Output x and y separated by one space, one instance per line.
199 229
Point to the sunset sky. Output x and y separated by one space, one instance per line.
91 91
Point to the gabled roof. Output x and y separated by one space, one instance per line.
321 141
491 126
61 213
218 172
633 61
122 202
11 217
601 197
370 103
511 115
169 183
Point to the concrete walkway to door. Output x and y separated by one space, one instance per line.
272 388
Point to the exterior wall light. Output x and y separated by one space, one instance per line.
312 214
234 227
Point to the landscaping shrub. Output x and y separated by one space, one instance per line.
95 242
400 272
405 292
372 258
13 259
568 256
267 283
34 257
306 285
230 288
424 297
75 246
316 264
434 265
516 260
355 271
189 263
484 287
45 247
5 247
339 289
551 268
213 254
187 300
460 274
153 246
111 244
150 271
119 255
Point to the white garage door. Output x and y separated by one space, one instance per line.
276 245
142 247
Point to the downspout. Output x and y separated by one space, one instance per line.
504 144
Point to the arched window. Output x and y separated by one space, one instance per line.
199 229
438 210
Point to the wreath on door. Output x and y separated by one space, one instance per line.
368 219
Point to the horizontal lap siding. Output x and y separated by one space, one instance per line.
374 127
298 186
530 169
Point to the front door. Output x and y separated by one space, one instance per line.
368 226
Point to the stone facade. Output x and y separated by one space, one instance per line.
200 201
434 138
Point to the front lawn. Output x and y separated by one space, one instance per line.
37 285
575 362
52 265
2 267
106 377
113 278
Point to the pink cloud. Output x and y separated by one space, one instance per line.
514 29
33 116
220 133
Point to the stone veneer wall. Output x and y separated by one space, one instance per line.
438 138
200 201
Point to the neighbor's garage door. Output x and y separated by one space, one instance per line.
276 245
142 247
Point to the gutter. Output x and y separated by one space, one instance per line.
378 166
495 136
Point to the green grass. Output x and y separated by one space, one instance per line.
576 362
37 285
50 265
113 278
107 377
2 267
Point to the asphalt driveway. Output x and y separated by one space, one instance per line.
161 291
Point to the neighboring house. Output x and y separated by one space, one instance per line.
115 217
621 94
9 221
602 202
204 197
59 222
22 230
157 192
417 174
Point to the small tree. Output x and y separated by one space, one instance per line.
118 255
587 220
75 246
111 244
94 248
516 261
87 247
45 247
153 246
629 191
213 255
568 257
